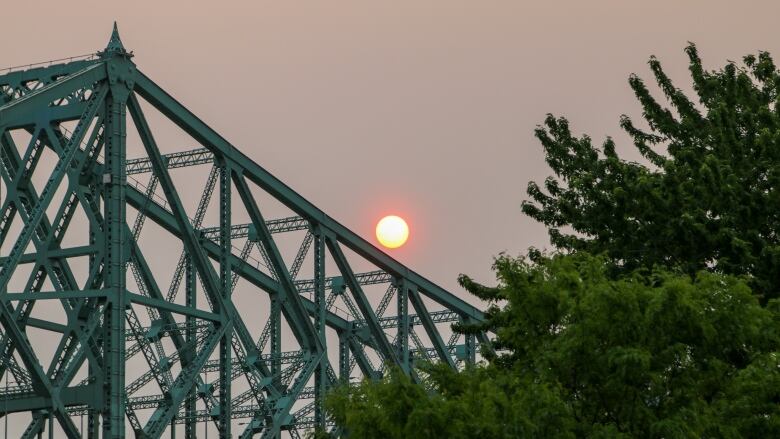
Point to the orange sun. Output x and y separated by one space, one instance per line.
392 231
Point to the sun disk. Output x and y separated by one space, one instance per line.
392 231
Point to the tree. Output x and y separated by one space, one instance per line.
708 196
582 354
476 403
645 355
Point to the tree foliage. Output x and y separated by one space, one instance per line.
478 403
708 196
584 355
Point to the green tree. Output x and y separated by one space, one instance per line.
581 354
708 196
476 403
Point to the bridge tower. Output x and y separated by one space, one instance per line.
134 305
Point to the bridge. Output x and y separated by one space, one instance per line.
106 332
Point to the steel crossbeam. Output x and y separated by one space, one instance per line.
106 322
143 165
280 225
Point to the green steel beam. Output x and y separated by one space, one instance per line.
174 307
190 301
46 75
69 396
58 295
174 160
119 70
17 112
320 378
46 325
225 284
404 325
280 225
367 278
55 253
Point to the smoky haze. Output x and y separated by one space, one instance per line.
423 109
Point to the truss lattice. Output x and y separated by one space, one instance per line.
107 333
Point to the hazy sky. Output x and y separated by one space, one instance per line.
425 109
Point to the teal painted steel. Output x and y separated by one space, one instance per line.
273 381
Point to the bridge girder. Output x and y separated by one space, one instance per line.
72 117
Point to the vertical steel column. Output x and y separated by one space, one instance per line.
95 233
114 232
276 337
225 275
471 349
320 377
403 325
93 416
191 336
344 358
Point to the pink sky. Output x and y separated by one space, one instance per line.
421 108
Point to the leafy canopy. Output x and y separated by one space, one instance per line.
582 354
709 195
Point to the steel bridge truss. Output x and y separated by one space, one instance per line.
183 321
